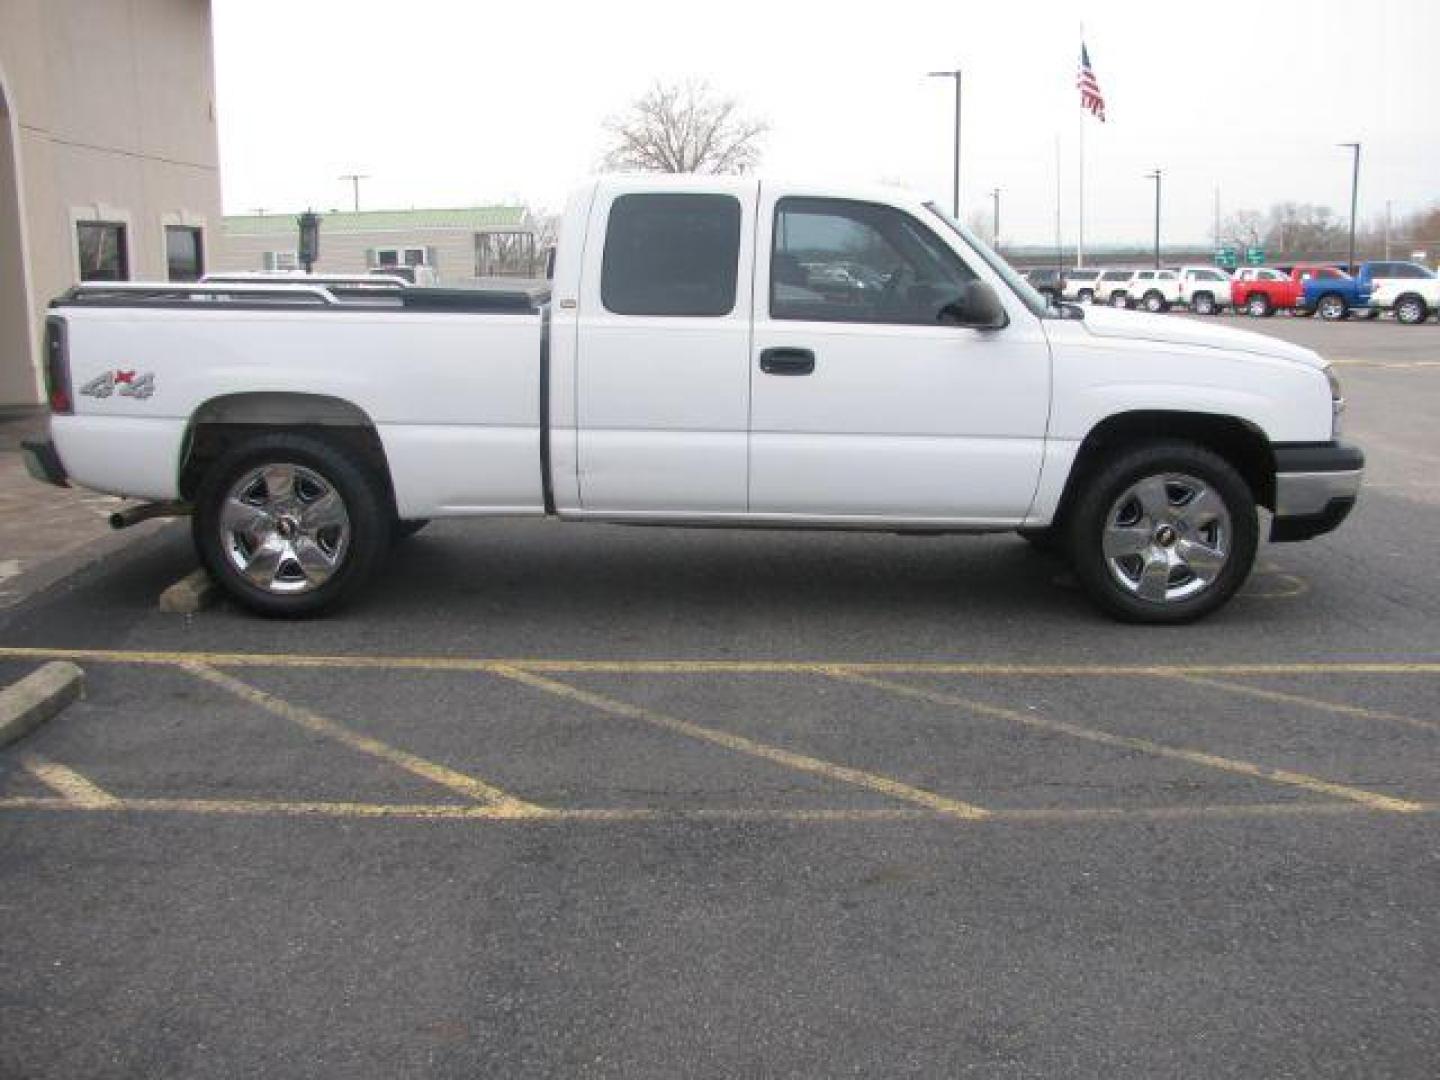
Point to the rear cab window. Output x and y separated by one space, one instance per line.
674 254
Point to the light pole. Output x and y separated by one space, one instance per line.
1156 177
956 75
355 179
995 233
1354 199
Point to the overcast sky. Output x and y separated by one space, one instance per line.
451 103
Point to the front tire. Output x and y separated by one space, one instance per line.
1164 532
1154 303
1086 296
1204 304
1119 300
291 525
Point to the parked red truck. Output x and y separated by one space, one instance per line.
1262 290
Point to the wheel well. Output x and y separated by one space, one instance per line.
225 421
1239 443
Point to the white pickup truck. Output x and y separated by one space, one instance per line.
700 359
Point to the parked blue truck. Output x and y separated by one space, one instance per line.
1330 292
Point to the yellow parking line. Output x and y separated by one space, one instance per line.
73 788
643 815
738 743
1145 746
708 667
500 802
1345 361
1283 698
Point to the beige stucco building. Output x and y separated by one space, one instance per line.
109 163
457 245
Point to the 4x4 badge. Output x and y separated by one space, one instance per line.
126 383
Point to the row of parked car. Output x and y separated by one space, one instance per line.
1409 291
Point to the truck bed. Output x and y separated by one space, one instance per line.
449 379
528 297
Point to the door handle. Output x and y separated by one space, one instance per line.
787 361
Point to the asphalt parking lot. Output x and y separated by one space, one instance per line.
561 801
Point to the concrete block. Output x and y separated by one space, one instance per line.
37 697
194 592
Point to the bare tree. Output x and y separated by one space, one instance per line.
683 128
1242 228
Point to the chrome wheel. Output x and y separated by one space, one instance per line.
1410 311
284 528
1257 307
1167 537
1332 308
1154 303
1204 304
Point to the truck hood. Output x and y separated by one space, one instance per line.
1107 322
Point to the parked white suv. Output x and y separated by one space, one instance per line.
1205 290
1153 290
1409 290
1112 287
1079 285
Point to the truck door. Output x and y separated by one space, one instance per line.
663 345
864 403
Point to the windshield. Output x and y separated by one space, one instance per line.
1027 293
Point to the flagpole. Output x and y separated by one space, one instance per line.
1080 241
1059 195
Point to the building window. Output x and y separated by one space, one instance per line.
505 254
280 262
104 254
184 253
404 256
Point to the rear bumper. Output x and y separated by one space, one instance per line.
43 463
1316 485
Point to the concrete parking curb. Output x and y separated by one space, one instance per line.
194 592
38 697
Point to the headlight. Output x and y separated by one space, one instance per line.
1337 402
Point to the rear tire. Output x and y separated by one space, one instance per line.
1086 296
1163 532
1155 302
1204 304
1411 310
1258 306
1332 307
1119 300
291 525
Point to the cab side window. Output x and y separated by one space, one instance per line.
671 254
834 260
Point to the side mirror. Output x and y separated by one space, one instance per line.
978 307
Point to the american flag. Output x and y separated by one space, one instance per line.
1090 96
